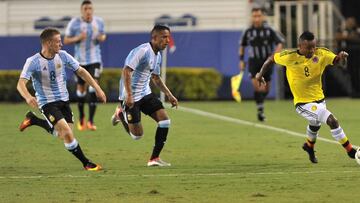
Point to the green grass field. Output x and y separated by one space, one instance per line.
214 158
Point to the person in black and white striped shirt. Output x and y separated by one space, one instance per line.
261 42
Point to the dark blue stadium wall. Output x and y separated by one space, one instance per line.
217 49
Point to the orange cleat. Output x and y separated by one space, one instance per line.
92 167
27 121
81 125
91 126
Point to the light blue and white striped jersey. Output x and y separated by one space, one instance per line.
144 62
87 51
48 76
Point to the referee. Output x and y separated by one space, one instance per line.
262 41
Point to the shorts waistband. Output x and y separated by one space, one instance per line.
302 103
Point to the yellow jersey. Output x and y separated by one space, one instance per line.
303 74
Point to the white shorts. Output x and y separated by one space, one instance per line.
315 113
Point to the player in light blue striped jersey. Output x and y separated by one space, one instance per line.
46 69
86 32
141 65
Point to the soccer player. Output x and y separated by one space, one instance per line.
261 40
47 72
304 68
141 65
86 32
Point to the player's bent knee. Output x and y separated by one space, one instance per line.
67 134
164 123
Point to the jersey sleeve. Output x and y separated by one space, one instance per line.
281 58
28 69
329 57
101 26
134 58
70 28
70 62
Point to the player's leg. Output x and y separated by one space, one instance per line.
308 111
312 134
317 112
63 123
259 90
94 70
81 96
92 108
32 119
133 118
162 130
339 134
152 106
259 99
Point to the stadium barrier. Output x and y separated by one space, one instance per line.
202 49
185 84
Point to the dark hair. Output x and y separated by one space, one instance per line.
158 28
86 2
308 36
48 33
257 8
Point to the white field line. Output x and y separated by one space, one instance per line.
179 175
248 123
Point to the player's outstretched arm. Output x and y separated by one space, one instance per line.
161 85
24 92
265 67
85 75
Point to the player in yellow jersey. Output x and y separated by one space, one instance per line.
304 68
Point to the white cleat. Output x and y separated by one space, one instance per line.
157 162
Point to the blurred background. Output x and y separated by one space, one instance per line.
206 37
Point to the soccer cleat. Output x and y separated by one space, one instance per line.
311 153
118 116
352 153
91 126
115 118
27 121
261 117
92 167
157 162
81 125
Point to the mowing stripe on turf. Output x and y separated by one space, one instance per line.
179 175
248 123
